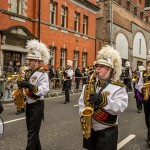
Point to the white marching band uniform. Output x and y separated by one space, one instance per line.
109 100
39 79
113 106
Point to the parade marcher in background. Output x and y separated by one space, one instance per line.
109 100
78 76
128 76
68 74
137 95
36 86
145 79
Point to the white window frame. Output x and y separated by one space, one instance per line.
53 13
52 52
63 17
76 21
84 60
75 59
85 25
17 7
62 58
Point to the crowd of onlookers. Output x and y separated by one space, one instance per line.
8 83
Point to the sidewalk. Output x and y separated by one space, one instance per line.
52 93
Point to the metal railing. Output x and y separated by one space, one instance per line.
56 90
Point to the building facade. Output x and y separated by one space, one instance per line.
125 24
67 27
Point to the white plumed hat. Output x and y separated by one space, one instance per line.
127 64
69 63
141 68
37 50
110 57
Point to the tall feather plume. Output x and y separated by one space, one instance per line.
35 45
114 55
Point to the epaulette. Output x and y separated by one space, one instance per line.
117 83
42 70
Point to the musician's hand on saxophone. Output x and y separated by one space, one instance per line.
95 98
24 84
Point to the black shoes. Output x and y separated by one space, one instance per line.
18 112
66 102
139 111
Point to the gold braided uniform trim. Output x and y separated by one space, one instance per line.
117 83
35 89
41 70
104 100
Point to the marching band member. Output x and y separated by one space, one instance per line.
145 78
68 74
110 100
128 76
36 86
138 95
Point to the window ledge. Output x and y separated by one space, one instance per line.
17 19
53 28
147 8
64 31
77 35
85 37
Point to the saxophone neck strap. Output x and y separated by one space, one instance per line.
104 85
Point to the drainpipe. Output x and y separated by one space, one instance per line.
111 22
39 18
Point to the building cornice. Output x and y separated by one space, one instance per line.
86 5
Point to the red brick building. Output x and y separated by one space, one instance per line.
125 24
67 27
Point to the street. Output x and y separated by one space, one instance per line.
61 127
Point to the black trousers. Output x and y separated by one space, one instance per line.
77 83
127 82
102 140
146 105
34 116
67 86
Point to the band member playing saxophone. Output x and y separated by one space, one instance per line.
36 86
109 100
144 88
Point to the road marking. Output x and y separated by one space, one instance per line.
76 105
125 141
14 120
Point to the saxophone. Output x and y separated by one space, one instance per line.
20 76
146 89
86 121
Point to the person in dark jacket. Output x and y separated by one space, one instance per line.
78 76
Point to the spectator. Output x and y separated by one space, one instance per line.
10 68
51 75
78 76
2 79
57 81
17 65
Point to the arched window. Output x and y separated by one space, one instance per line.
139 46
122 45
